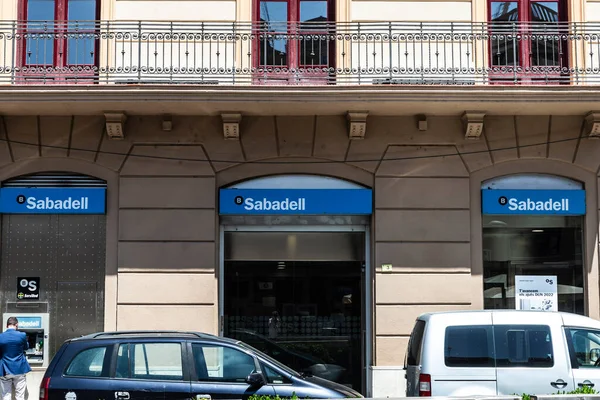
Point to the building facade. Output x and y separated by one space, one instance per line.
346 164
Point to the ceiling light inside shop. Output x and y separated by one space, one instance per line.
497 223
280 265
537 230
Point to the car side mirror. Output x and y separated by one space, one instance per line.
255 379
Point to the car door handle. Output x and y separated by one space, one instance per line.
122 395
559 384
586 383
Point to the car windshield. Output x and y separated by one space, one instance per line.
273 361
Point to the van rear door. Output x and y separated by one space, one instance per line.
412 362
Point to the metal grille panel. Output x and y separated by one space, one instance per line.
54 179
76 311
67 252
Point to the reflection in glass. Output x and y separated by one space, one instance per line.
314 50
533 245
505 47
80 37
314 47
586 347
545 44
40 10
307 315
313 14
40 28
82 10
273 24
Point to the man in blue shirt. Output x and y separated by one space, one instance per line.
13 364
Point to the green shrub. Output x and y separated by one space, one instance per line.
263 397
579 390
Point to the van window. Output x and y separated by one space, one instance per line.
523 346
469 346
150 361
585 347
215 363
87 363
413 355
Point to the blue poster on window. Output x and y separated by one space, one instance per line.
533 202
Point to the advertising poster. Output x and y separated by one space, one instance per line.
534 292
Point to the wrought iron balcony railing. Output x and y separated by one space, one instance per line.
310 53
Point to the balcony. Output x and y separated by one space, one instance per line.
387 68
314 53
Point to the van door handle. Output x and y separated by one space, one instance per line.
559 384
122 395
586 383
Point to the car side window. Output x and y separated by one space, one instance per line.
273 376
586 345
469 346
215 363
152 361
523 346
87 363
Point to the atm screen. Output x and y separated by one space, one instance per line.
35 338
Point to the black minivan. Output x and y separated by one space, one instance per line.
160 365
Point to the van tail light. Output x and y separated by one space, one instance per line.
425 385
44 388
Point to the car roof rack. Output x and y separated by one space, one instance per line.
97 335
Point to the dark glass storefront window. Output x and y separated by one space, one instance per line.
298 296
533 245
305 314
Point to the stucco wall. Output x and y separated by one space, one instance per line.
426 201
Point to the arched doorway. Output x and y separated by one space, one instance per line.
295 272
54 234
533 243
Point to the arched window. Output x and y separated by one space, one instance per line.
533 231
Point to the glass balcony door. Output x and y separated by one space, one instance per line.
59 41
527 39
295 43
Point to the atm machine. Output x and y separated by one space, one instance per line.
36 327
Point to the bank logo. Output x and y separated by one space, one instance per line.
47 203
528 204
28 288
264 204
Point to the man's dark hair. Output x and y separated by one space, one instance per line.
12 321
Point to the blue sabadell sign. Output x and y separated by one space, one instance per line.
295 201
533 202
15 200
30 322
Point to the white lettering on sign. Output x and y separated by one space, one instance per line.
50 204
30 323
275 205
530 205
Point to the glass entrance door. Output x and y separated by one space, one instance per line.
303 303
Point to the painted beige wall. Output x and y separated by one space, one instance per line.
402 10
162 242
170 10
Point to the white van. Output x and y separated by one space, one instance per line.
505 352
